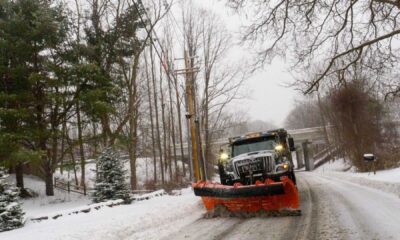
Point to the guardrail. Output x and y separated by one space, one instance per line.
327 157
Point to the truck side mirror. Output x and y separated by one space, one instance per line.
369 157
292 148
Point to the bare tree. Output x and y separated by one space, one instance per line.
305 114
219 81
335 34
158 132
153 142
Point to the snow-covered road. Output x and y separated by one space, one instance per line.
331 209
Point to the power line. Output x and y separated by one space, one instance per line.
177 24
176 33
150 32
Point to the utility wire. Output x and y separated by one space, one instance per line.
176 24
150 32
174 30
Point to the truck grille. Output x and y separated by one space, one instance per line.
256 165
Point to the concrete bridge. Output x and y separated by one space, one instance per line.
311 145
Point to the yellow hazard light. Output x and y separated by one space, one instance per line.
224 156
285 166
253 135
279 147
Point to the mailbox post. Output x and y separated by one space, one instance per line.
370 159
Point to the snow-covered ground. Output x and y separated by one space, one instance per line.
334 204
42 204
385 180
137 217
150 219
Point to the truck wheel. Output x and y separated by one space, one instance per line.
292 177
222 174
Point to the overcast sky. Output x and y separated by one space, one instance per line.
268 99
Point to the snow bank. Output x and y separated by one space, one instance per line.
147 196
385 180
338 165
152 219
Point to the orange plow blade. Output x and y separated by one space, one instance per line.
262 196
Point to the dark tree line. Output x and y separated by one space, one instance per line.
68 82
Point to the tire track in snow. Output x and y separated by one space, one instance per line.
300 227
216 228
365 213
329 211
284 227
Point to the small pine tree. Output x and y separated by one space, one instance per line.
11 214
110 181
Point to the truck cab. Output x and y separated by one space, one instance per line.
257 157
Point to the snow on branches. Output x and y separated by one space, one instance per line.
110 181
11 214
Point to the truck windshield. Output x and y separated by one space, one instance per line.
253 145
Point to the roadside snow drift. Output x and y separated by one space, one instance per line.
386 180
152 219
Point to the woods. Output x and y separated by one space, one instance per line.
357 120
77 77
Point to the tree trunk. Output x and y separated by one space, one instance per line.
52 156
49 181
71 152
133 122
151 124
48 171
74 166
164 125
169 152
178 109
133 178
94 126
81 148
63 130
172 124
19 175
157 119
132 150
206 126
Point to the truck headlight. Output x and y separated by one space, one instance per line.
279 147
223 156
282 167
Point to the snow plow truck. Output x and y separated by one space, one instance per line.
256 176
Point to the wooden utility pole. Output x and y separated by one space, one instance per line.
198 167
191 115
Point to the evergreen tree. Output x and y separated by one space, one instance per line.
34 89
11 214
110 178
14 93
